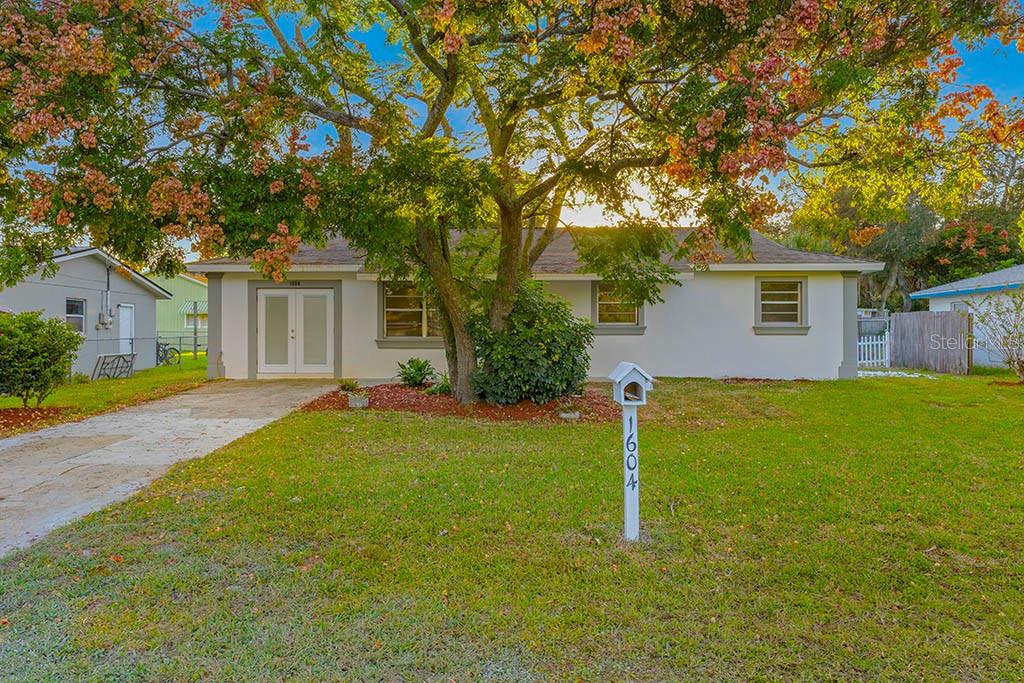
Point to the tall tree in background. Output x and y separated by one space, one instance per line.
136 124
901 196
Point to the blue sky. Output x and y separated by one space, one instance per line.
1000 67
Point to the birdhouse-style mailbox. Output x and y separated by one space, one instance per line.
630 384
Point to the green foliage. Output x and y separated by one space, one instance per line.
630 255
540 355
416 372
348 385
36 355
442 387
968 248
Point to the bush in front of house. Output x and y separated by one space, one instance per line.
540 355
416 372
36 355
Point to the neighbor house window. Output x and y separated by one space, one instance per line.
201 319
780 302
407 313
611 310
74 314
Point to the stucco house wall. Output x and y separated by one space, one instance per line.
704 328
86 278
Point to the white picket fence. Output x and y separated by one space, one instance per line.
873 350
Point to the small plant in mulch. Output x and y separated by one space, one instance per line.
348 385
442 387
356 396
416 372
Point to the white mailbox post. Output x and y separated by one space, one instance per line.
630 384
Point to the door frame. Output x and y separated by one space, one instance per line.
253 287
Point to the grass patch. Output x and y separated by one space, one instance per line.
89 398
829 530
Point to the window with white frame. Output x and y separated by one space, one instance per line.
780 302
407 314
612 310
202 320
74 314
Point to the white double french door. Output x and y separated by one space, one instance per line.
295 331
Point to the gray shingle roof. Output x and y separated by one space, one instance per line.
560 256
1000 279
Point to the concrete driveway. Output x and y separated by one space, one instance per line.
55 475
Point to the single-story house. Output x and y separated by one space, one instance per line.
183 318
781 314
973 291
112 305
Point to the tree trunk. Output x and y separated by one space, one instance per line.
460 351
890 285
508 273
460 354
908 303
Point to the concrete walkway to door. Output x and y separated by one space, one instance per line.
55 475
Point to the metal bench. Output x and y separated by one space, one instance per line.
114 366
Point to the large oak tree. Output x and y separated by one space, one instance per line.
454 147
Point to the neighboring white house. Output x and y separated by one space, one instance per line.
962 294
113 306
783 314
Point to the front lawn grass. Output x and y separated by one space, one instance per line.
88 398
816 531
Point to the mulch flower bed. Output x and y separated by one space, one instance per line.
593 405
16 419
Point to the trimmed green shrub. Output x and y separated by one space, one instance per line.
540 355
415 372
36 355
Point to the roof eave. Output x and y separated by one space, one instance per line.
928 294
136 276
247 268
851 266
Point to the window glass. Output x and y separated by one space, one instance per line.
611 310
406 314
74 314
780 302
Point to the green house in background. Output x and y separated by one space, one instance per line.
184 316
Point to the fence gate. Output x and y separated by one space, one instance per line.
873 350
940 341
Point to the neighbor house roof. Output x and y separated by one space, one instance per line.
1007 278
560 258
133 274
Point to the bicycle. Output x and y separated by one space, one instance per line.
167 355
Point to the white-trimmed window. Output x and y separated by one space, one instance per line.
201 318
611 310
781 302
74 314
406 313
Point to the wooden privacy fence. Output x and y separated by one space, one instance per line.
932 340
